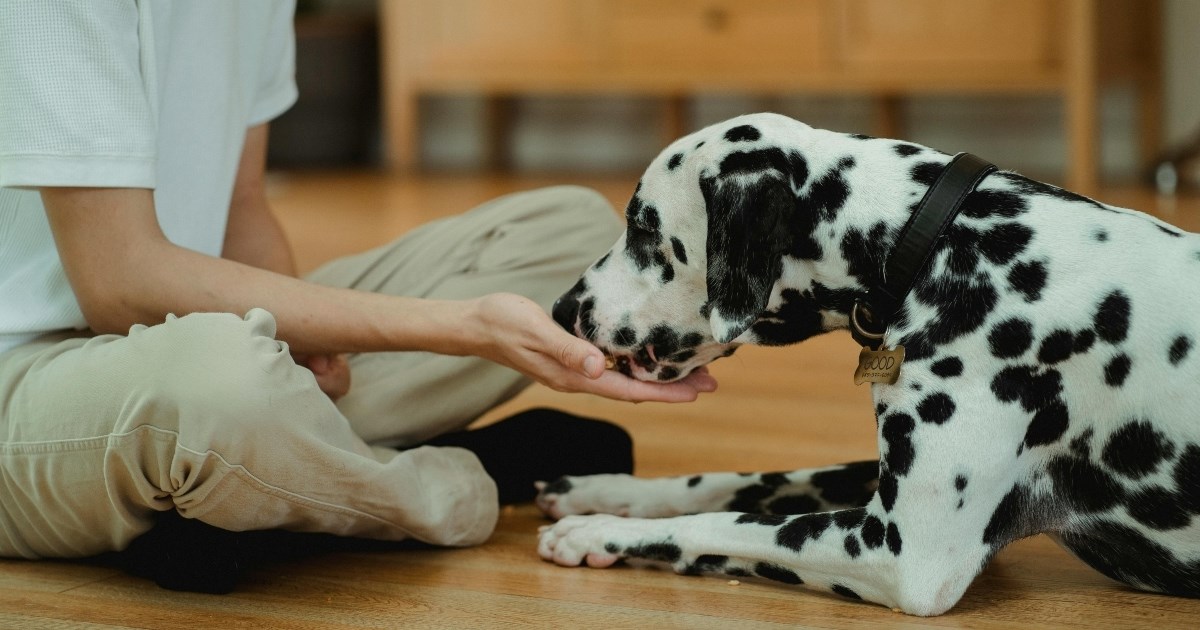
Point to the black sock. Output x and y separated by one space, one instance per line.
543 445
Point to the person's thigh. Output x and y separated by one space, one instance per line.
534 244
207 414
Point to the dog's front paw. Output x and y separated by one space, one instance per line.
622 495
584 540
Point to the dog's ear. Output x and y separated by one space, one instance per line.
747 236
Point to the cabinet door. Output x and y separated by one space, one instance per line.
933 35
696 41
498 40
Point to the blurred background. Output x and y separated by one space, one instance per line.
1084 93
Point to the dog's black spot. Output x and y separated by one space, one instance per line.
849 485
776 573
756 162
926 173
963 305
586 323
1180 348
1125 554
1081 444
1028 279
603 260
668 272
692 482
750 498
773 520
849 518
960 483
1009 520
948 367
743 133
801 529
642 239
1159 509
680 252
1048 424
1112 317
707 563
872 532
837 300
853 549
889 486
897 432
1117 370
797 318
1057 347
658 552
962 246
827 195
1006 241
1084 341
860 136
1010 338
1136 449
894 542
675 161
1033 388
844 592
1101 235
982 204
624 337
936 408
904 149
700 144
1187 478
562 485
668 373
864 254
1084 486
794 504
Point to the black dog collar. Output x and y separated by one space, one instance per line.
914 248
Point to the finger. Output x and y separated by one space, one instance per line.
620 387
319 363
578 355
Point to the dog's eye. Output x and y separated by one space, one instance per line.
639 228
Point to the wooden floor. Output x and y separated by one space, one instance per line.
777 409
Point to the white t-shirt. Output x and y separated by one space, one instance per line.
126 94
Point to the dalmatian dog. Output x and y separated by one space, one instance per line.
1048 384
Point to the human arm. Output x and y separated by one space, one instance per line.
152 277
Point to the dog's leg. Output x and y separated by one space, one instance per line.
797 492
917 554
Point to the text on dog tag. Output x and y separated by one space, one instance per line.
879 366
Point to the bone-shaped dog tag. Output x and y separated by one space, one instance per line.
879 366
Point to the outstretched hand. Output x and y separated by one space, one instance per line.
516 332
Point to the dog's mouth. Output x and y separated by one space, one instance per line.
644 364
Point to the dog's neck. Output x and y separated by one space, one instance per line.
859 203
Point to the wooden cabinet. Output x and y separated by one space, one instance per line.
679 48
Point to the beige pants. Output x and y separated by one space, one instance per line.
208 414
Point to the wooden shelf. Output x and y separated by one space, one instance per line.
675 49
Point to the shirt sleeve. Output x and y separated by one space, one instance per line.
74 109
277 88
